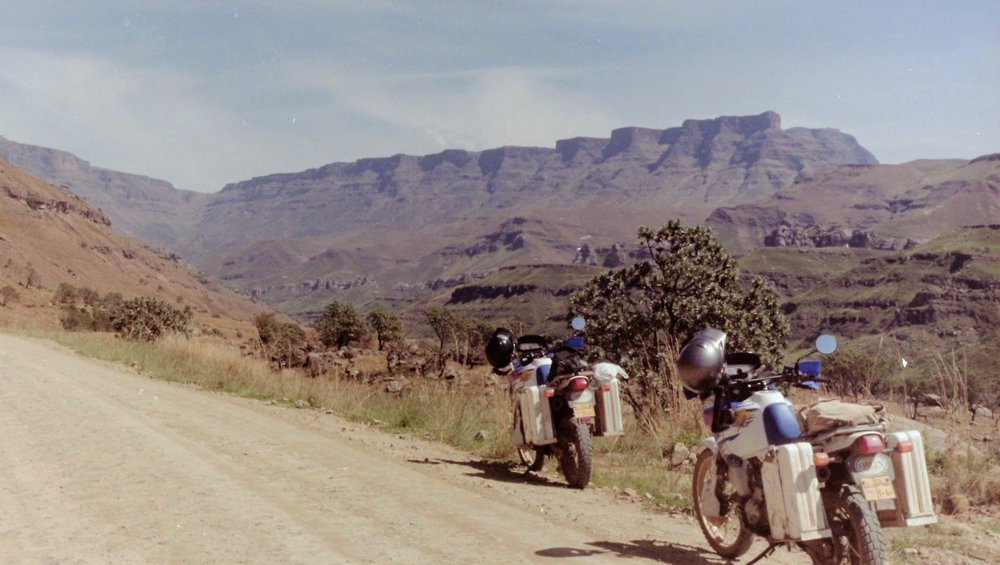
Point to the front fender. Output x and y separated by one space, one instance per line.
709 444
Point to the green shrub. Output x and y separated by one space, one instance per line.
76 319
65 294
279 339
339 325
147 318
386 325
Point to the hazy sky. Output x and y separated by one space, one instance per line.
203 93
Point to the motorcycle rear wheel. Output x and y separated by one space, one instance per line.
576 453
727 535
857 532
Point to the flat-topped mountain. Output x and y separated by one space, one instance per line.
393 227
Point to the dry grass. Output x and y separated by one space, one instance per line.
458 415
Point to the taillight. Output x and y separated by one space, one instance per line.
869 444
821 459
578 384
550 392
905 446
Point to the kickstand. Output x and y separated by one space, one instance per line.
767 552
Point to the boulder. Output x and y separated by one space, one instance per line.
679 455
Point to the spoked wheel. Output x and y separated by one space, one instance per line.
532 457
576 453
726 534
857 533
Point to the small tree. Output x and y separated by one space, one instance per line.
339 325
8 294
65 294
444 324
641 313
76 319
112 300
33 278
147 318
88 296
386 325
279 339
458 337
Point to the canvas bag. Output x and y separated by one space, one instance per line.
832 413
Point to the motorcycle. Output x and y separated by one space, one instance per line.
828 489
559 403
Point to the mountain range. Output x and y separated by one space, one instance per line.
511 231
397 228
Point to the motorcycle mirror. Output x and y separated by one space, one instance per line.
826 344
578 323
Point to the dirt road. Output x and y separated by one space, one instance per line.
101 465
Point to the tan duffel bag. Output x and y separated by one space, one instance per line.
832 413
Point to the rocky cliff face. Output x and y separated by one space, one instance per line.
148 208
409 220
729 159
59 238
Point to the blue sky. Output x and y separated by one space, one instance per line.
203 93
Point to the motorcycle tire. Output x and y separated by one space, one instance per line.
856 528
727 535
532 457
576 455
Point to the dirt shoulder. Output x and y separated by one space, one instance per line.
101 464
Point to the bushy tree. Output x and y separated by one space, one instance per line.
7 294
147 318
339 325
88 296
459 337
640 314
65 294
386 325
111 300
280 339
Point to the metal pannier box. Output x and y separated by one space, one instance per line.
791 489
609 409
536 416
913 488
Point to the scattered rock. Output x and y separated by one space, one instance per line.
956 504
397 386
481 435
301 404
679 455
319 363
932 400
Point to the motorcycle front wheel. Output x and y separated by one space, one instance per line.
726 534
532 457
576 453
856 529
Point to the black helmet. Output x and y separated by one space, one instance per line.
701 361
500 348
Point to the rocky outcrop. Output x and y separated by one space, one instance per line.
833 236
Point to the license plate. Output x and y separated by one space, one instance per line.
877 488
584 410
